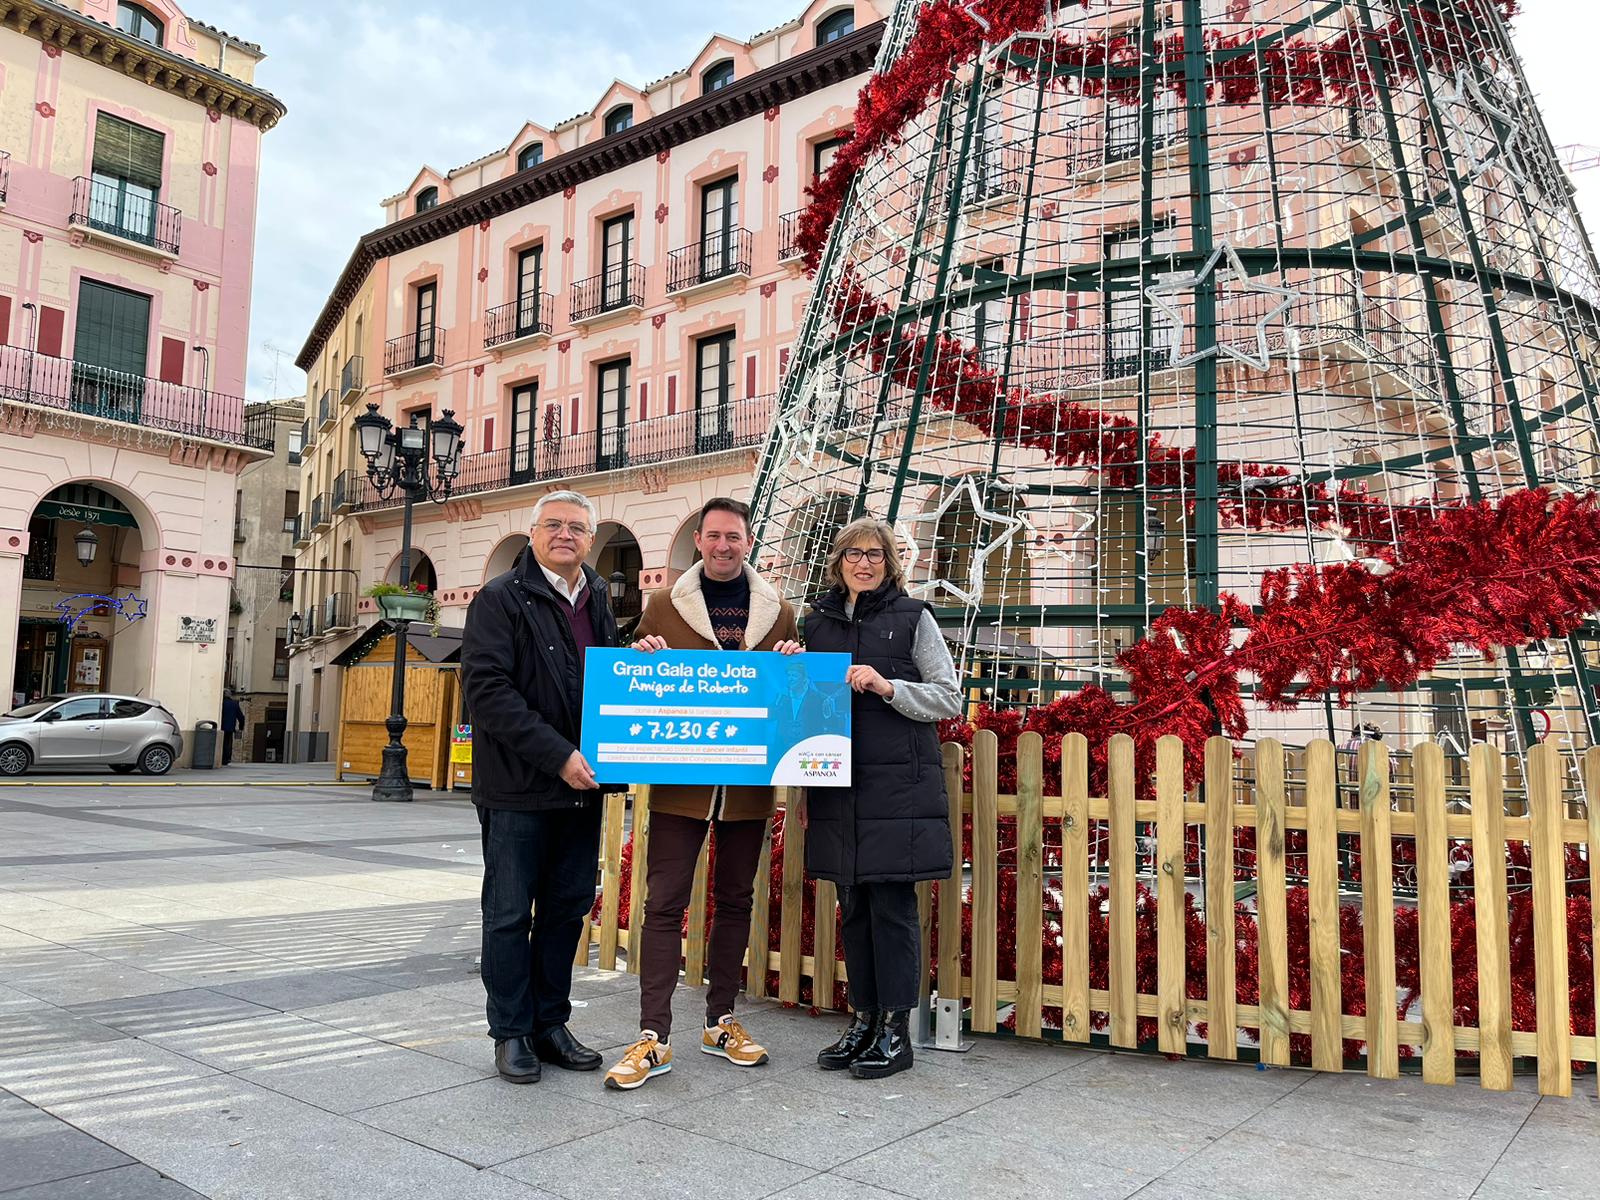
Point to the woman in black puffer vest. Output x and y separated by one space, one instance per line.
891 828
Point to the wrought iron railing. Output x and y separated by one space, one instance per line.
321 510
425 348
789 235
350 378
325 409
733 425
91 391
521 318
308 435
302 528
338 612
344 490
115 209
620 287
5 174
708 260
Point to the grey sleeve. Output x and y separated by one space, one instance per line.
939 694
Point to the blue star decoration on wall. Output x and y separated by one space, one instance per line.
74 609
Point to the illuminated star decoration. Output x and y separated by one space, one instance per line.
1011 524
1468 95
74 609
1187 281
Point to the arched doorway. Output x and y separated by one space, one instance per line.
421 574
617 550
82 624
505 556
683 554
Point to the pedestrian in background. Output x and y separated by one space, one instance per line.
232 723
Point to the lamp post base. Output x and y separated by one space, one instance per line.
394 780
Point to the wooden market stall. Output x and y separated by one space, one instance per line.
433 700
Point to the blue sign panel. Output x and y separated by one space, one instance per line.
709 717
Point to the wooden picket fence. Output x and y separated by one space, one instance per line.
1295 797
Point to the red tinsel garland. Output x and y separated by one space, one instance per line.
950 33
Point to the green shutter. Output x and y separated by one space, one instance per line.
127 151
113 329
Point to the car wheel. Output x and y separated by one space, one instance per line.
156 760
14 759
123 768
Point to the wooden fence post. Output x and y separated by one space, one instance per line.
756 955
1591 798
1551 999
794 896
1222 1003
611 880
1075 888
1172 1028
1433 916
1493 917
1030 884
985 812
638 885
1322 845
1271 903
1123 973
948 951
1377 903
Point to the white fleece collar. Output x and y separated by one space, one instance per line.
690 601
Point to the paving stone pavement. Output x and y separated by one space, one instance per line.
258 986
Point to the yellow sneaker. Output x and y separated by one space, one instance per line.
647 1057
728 1039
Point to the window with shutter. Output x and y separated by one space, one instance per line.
127 178
110 345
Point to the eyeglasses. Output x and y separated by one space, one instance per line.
856 553
576 528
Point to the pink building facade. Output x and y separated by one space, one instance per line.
130 141
606 304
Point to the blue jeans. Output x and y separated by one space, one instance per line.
538 885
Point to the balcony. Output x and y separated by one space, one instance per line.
302 528
711 260
789 236
617 292
733 425
350 379
239 529
308 435
338 612
326 409
522 321
420 351
5 174
321 510
116 214
345 491
106 395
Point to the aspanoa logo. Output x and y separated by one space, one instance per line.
820 761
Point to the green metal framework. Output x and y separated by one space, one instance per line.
1413 266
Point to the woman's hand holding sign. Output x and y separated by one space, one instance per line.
866 679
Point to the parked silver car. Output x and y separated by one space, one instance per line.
122 732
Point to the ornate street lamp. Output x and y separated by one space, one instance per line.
421 462
618 587
295 622
86 543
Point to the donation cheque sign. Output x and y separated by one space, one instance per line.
709 717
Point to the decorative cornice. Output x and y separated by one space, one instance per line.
754 95
58 26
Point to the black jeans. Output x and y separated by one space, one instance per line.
882 945
227 747
538 885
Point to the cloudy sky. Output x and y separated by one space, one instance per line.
376 90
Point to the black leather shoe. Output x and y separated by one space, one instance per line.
560 1049
851 1044
515 1060
890 1050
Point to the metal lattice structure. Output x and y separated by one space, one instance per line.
1287 310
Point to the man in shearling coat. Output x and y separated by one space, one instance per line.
718 604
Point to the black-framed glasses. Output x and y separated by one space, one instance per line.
856 553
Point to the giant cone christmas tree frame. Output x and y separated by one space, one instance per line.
1222 364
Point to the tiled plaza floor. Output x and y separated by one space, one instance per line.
268 991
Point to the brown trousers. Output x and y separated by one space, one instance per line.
674 849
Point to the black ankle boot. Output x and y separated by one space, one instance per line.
890 1049
855 1039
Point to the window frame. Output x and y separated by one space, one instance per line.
840 23
712 406
429 289
427 199
141 15
719 199
526 321
521 446
611 451
717 76
818 149
618 119
523 161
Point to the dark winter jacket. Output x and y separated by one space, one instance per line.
523 686
893 822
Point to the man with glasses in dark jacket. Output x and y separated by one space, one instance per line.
538 804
